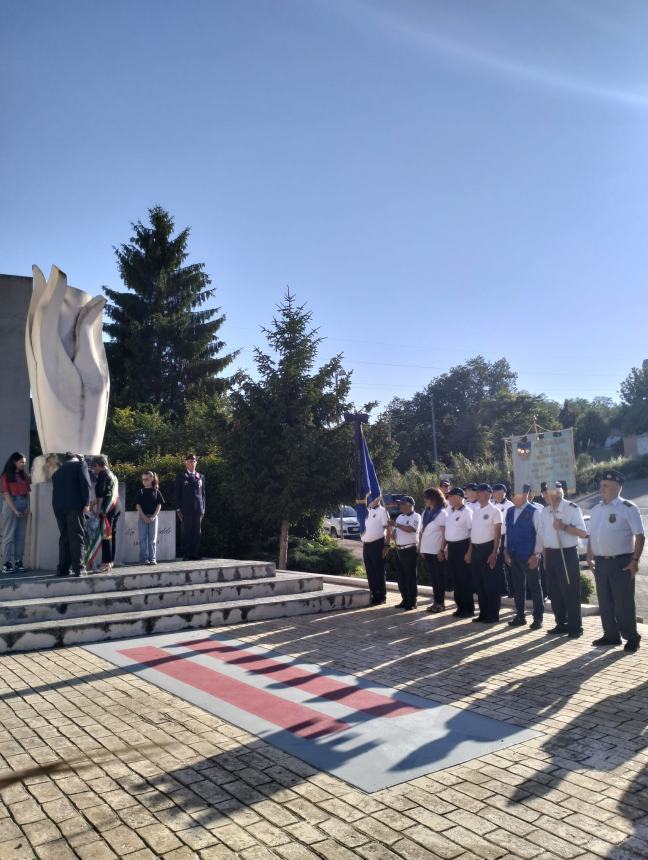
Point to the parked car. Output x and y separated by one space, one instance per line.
350 524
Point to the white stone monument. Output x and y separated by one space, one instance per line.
70 385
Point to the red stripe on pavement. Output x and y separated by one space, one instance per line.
296 718
322 686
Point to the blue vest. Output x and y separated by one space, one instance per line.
521 535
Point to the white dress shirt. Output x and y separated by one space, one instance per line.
614 526
405 539
432 534
503 506
547 537
376 522
458 523
483 523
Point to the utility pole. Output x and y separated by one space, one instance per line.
434 438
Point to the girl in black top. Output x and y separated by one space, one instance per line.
148 505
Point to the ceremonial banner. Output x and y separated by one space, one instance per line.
547 456
367 486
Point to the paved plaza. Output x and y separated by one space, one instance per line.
117 767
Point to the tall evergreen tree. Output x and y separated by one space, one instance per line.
164 346
288 449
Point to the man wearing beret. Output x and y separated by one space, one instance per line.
406 529
485 537
470 495
559 526
457 543
615 545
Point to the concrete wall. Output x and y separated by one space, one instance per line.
15 294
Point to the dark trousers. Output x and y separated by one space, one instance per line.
616 596
523 579
372 555
461 576
505 572
108 546
407 559
436 572
71 526
565 595
486 582
191 527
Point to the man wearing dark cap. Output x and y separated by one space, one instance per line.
503 504
615 545
190 506
444 486
485 539
406 530
521 522
559 526
470 495
457 543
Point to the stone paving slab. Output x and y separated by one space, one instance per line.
149 775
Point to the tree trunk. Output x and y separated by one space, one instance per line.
283 545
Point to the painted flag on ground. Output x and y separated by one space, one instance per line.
367 486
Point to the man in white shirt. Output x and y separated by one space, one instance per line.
457 543
559 526
406 529
485 537
374 548
470 495
502 503
615 545
431 544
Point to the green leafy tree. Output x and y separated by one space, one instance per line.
288 452
634 397
164 348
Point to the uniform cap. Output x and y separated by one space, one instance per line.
499 487
551 485
444 483
406 500
457 491
612 475
484 488
471 486
526 488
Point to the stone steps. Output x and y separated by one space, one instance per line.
35 585
99 628
43 611
111 602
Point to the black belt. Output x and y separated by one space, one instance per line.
407 546
612 557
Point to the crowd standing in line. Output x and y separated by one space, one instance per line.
482 543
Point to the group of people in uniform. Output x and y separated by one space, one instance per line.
476 541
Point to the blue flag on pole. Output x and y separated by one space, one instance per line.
367 486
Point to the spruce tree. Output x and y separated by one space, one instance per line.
288 449
164 348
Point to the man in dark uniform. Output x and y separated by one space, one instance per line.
71 500
615 545
190 506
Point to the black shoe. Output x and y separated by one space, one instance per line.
599 643
631 646
466 615
517 622
479 620
409 608
19 566
457 614
559 630
7 568
575 634
400 605
537 624
60 573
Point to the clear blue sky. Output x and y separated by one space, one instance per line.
436 179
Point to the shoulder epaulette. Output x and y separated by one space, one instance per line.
573 505
628 504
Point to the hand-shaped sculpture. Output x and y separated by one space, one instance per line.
68 371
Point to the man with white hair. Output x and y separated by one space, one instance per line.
613 552
559 525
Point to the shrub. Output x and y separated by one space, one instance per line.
587 588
